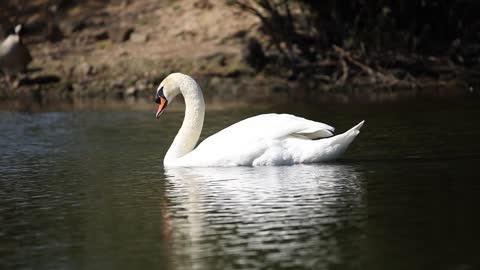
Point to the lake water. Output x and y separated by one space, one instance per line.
87 190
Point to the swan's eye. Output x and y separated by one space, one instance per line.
158 95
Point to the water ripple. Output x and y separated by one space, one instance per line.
264 214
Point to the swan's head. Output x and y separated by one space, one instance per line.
166 91
174 84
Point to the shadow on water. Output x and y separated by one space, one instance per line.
270 217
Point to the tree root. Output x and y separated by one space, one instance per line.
376 76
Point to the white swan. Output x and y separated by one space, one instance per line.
267 139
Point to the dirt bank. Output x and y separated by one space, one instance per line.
121 50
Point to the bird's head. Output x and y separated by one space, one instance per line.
168 89
18 29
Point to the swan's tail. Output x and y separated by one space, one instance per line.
337 145
356 129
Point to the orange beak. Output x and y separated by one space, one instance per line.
161 106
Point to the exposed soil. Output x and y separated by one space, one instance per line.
116 50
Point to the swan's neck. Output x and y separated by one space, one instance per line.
187 136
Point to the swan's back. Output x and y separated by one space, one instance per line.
270 126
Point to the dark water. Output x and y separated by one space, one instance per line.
87 190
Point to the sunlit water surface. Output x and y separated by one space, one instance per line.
87 190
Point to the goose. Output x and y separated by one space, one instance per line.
262 140
14 55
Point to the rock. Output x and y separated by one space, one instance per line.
120 34
100 35
83 70
123 53
98 19
186 34
219 59
141 85
215 82
73 26
203 4
131 92
91 36
139 37
118 84
77 87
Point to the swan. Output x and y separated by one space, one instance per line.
267 139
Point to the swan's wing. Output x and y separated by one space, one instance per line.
244 142
268 127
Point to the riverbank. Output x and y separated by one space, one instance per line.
93 52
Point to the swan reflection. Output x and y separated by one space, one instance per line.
263 215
